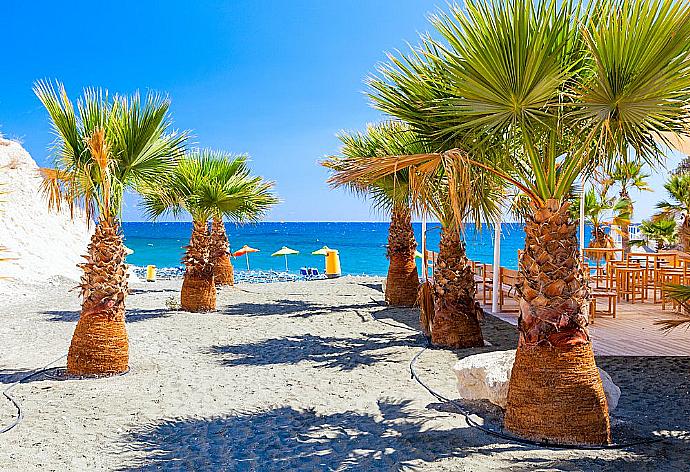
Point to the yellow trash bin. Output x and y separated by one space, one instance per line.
332 264
151 273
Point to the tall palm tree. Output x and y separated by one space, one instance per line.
102 149
567 88
389 194
435 189
678 206
628 174
207 185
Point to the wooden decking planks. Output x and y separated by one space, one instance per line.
632 332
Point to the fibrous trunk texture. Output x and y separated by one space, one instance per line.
198 288
555 392
402 282
625 239
99 345
223 271
455 322
684 235
625 228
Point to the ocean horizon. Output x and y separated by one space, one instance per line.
362 245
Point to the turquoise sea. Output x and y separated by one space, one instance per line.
361 245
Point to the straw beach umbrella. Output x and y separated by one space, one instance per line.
244 251
285 251
321 252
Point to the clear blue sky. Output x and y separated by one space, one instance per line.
275 79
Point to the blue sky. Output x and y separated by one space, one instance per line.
274 79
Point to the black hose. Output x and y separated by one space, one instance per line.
491 432
509 437
26 378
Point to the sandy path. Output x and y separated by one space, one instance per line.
289 376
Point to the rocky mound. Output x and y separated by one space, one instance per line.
42 244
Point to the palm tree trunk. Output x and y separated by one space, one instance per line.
625 229
555 391
402 282
99 345
198 288
684 235
455 323
223 271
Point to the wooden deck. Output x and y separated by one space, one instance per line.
631 333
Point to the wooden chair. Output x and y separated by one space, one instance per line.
487 283
610 296
630 282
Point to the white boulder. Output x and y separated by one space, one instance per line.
486 377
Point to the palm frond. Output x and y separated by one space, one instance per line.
681 294
210 184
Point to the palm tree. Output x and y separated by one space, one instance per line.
102 149
389 194
602 212
433 190
567 88
208 185
628 175
662 231
678 189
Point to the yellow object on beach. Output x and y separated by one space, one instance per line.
151 273
332 264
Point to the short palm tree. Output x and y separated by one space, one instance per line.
662 231
678 206
102 149
207 185
435 189
389 194
628 174
602 213
567 87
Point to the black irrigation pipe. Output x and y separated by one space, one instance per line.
26 378
17 406
492 432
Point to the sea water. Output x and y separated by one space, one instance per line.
362 246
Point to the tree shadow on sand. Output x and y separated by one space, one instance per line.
332 352
10 376
289 439
132 315
293 308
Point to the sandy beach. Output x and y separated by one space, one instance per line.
290 376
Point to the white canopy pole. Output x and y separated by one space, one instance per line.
497 267
582 222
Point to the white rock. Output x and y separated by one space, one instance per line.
486 377
611 390
41 243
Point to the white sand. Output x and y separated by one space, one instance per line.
43 244
288 376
